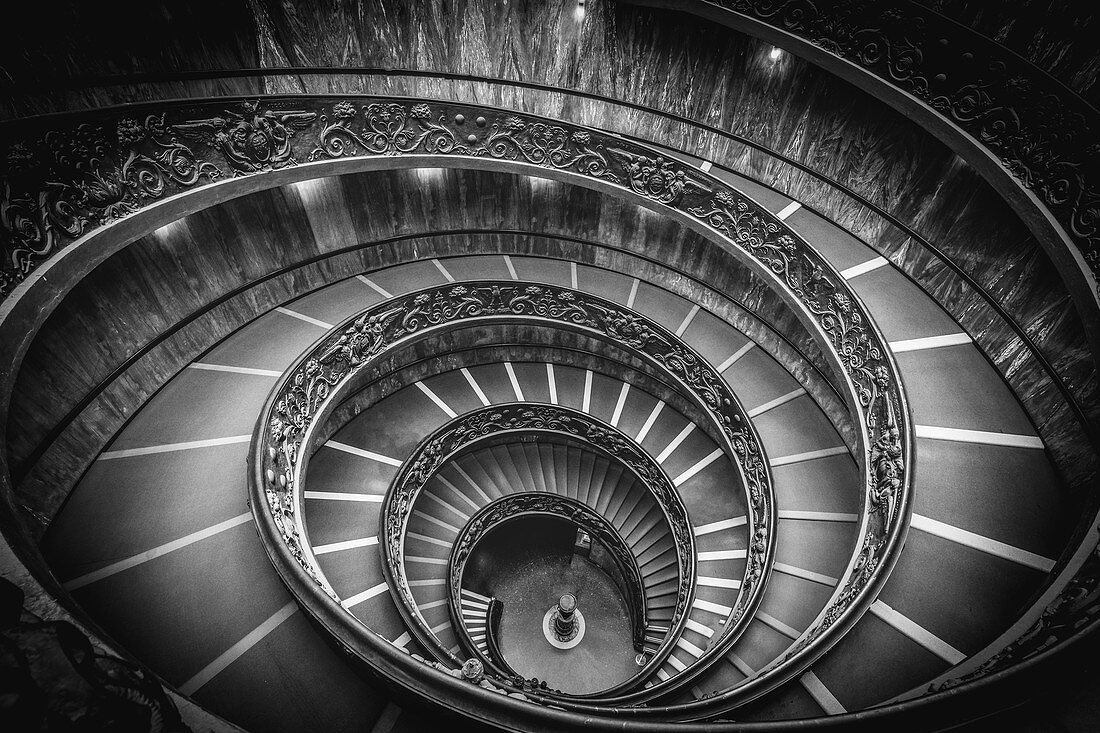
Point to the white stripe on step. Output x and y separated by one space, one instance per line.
788 210
366 595
680 437
633 294
134 560
363 453
515 382
429 540
782 628
233 369
929 342
688 647
740 664
717 608
687 320
864 267
735 356
233 653
436 399
808 456
446 504
960 435
810 575
443 271
343 496
552 384
706 461
304 317
650 420
722 555
446 482
433 520
821 694
472 484
619 405
979 542
345 545
718 582
475 386
781 400
171 447
718 526
817 516
374 286
699 628
918 633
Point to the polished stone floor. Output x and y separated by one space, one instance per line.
529 580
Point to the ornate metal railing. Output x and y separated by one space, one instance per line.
449 134
464 434
315 382
493 662
492 634
491 658
515 506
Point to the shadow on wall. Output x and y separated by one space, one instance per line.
52 679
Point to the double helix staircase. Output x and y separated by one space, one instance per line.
155 542
466 485
565 470
535 393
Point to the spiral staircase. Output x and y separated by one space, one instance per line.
331 409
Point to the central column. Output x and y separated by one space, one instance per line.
563 624
565 620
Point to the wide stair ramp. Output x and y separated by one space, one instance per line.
154 542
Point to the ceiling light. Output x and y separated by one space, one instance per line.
775 53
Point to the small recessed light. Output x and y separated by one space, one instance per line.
308 189
165 231
428 175
775 53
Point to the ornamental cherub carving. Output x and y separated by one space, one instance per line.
361 340
256 140
886 466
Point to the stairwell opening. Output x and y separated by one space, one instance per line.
529 563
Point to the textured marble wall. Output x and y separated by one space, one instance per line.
1058 36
